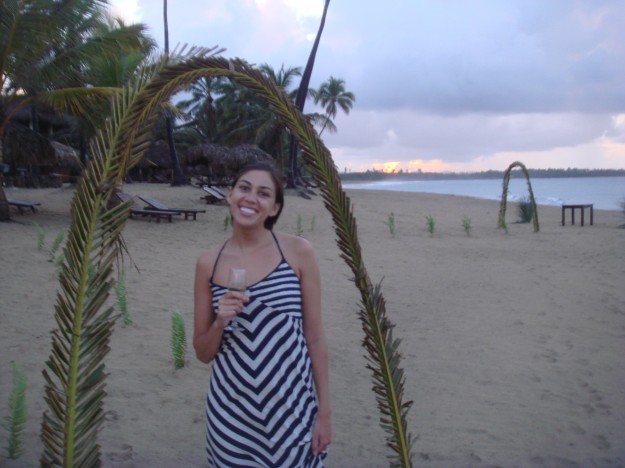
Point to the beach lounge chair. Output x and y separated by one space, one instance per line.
213 194
137 210
22 204
154 204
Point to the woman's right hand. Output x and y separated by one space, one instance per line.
230 304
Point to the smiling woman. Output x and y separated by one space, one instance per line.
278 341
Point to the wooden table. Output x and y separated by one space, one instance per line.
581 208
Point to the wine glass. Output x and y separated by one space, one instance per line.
236 282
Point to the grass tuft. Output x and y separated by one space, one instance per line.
58 240
122 302
466 224
16 421
178 339
431 224
390 222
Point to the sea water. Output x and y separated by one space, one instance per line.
607 193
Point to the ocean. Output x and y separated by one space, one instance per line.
606 193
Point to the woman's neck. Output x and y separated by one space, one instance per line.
248 241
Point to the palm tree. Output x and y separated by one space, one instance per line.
46 46
178 177
302 94
333 96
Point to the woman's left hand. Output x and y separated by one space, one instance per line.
322 434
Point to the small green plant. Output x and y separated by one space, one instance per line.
178 339
55 245
503 225
466 224
312 223
390 222
623 208
16 421
41 236
227 222
59 260
122 303
298 226
525 211
431 224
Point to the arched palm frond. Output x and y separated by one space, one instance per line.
383 353
75 375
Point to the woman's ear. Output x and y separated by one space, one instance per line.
276 209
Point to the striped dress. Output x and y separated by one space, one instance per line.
261 404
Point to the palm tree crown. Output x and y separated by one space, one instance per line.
332 96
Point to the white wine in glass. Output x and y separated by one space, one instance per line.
236 282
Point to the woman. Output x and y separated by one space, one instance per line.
268 398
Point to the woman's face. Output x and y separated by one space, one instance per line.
253 198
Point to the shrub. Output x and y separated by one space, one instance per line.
525 211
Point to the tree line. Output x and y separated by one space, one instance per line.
68 59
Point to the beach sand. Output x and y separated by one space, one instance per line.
512 343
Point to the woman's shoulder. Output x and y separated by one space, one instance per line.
293 243
208 258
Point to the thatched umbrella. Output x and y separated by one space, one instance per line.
27 148
157 156
205 154
240 155
66 157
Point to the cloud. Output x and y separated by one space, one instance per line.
460 82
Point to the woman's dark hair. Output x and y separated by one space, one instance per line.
278 181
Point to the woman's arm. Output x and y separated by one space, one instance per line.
208 327
310 280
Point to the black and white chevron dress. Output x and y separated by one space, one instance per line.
261 403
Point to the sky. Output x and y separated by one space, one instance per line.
440 85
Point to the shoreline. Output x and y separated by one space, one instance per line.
511 343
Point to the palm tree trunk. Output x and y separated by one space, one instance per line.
5 211
294 176
178 176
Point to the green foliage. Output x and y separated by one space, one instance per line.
58 240
41 236
178 339
298 226
120 293
59 261
466 224
312 223
227 221
16 421
390 222
430 224
525 210
503 225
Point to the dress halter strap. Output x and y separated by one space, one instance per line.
217 260
277 245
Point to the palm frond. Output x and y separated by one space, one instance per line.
74 376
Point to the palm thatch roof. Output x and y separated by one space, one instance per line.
24 147
157 156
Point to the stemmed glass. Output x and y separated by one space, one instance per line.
236 282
